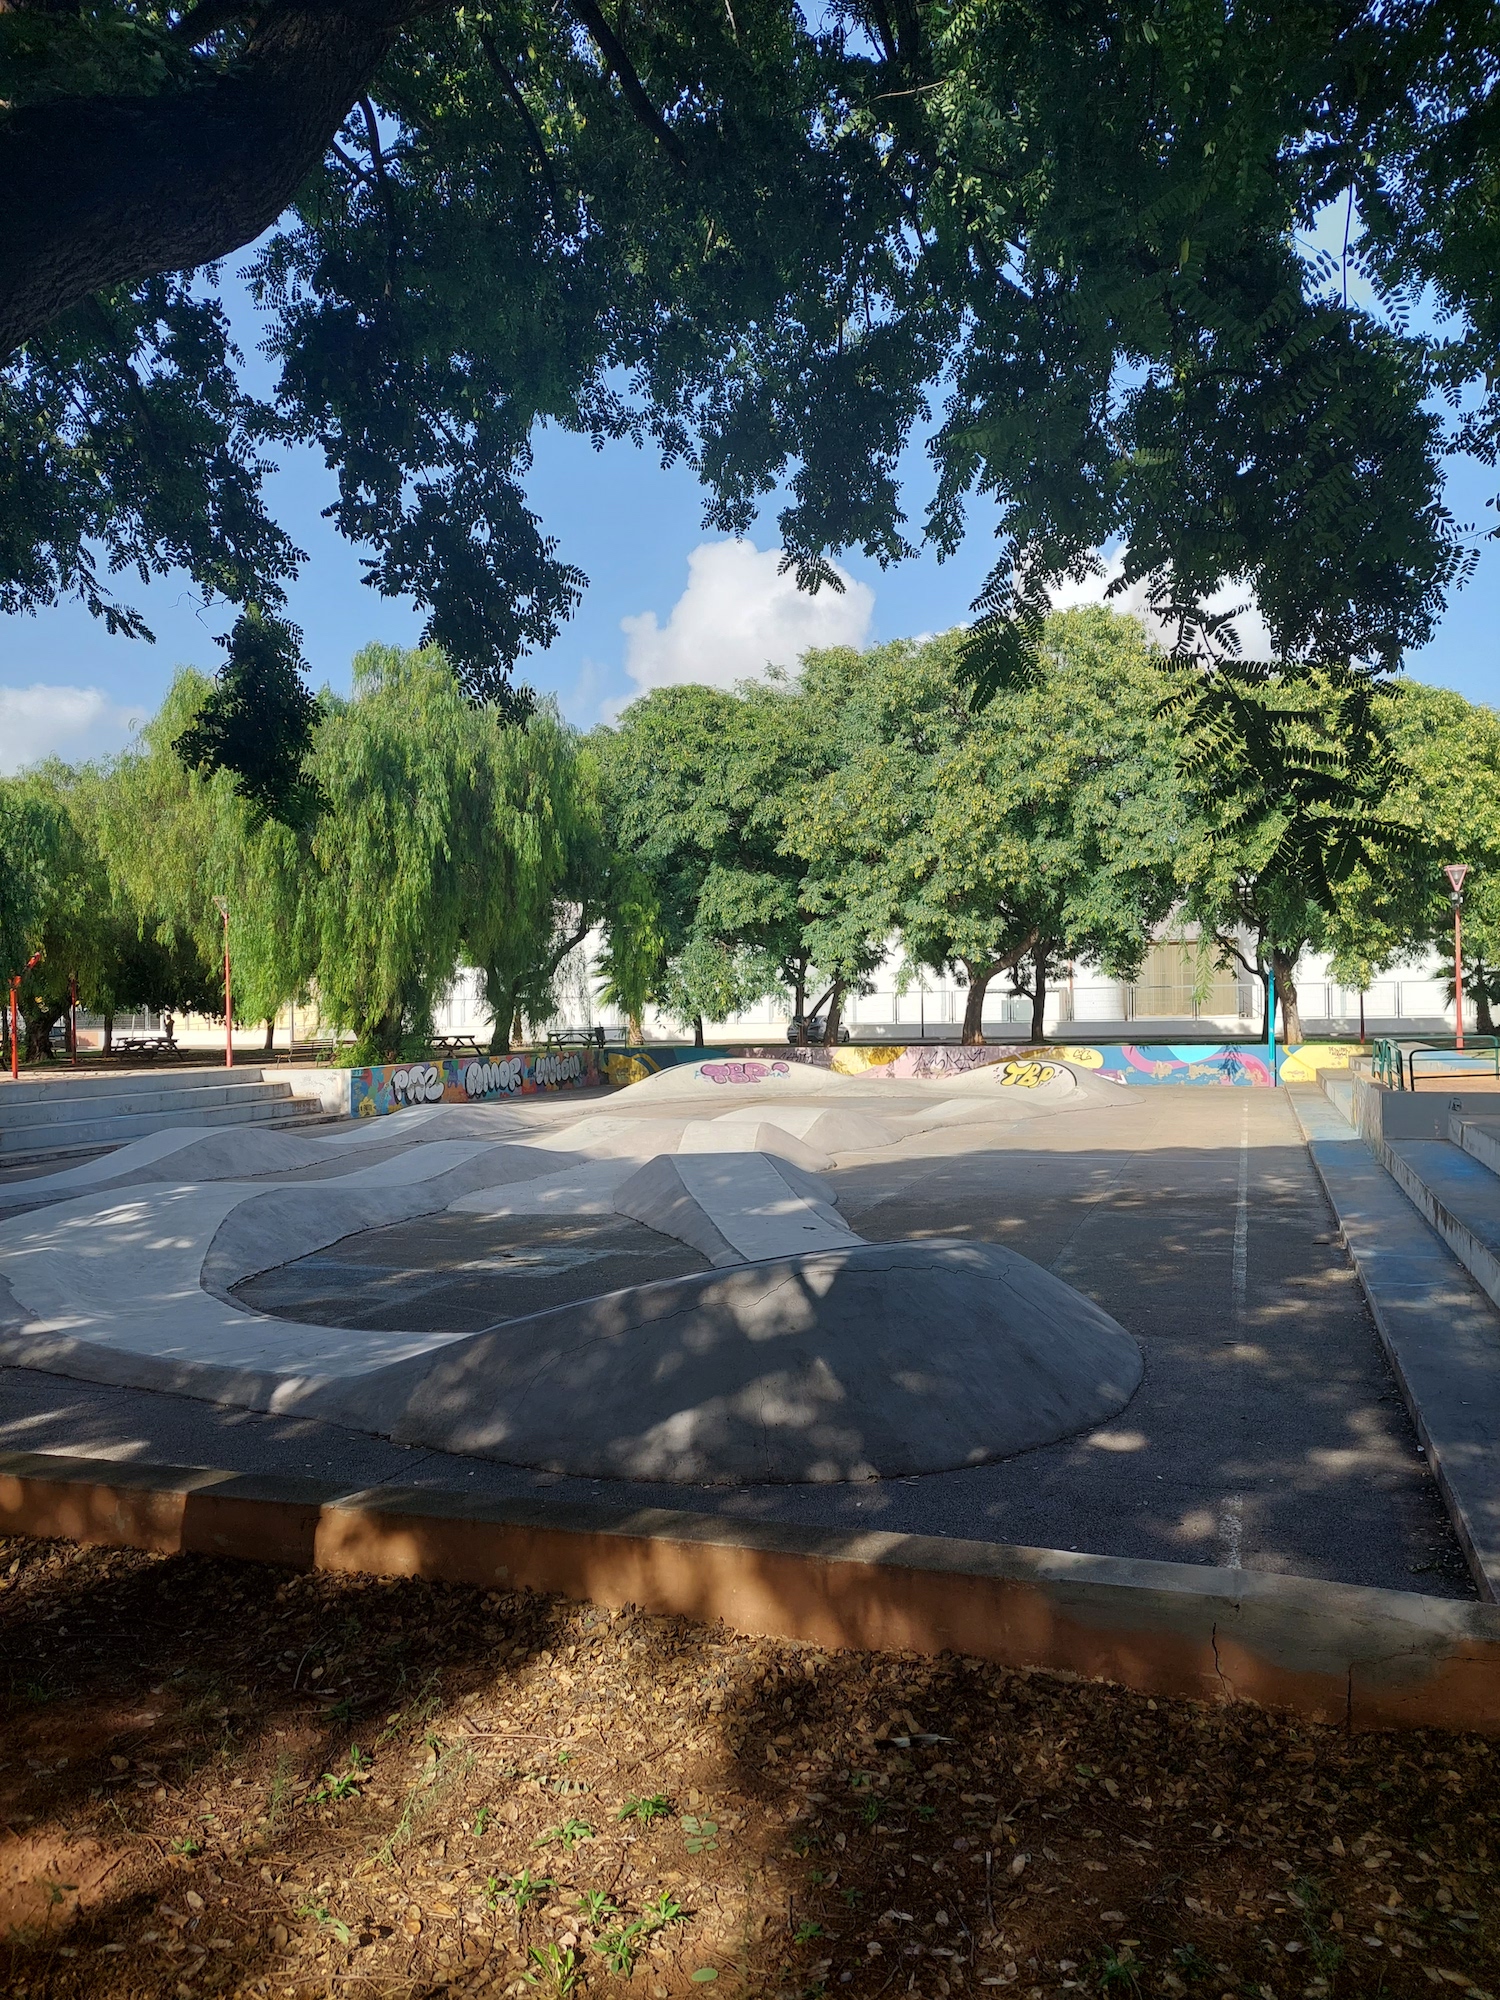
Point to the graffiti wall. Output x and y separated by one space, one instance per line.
1235 1064
468 1080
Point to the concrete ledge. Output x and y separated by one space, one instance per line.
1335 1653
1440 1333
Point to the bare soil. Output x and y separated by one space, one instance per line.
222 1779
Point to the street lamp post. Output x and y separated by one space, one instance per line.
1455 872
221 904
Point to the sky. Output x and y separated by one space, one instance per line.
666 602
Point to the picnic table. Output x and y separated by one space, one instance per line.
149 1046
576 1038
456 1045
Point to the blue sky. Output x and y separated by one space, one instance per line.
655 610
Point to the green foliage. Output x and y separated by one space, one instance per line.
257 723
1446 795
769 238
1041 829
1290 772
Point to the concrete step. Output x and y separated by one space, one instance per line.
94 1129
64 1083
1458 1196
1338 1088
1439 1330
1478 1137
61 1107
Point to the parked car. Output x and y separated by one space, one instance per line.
804 1032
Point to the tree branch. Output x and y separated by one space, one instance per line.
538 146
195 27
383 184
610 47
113 190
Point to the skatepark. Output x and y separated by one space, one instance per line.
1019 1304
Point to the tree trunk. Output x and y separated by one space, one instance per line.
637 1028
502 1017
38 1023
833 1019
103 191
697 1031
270 1041
979 986
1483 1020
1284 964
1039 956
109 1034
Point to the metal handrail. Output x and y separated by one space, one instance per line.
1387 1064
1477 1044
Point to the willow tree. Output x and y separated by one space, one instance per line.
537 862
176 840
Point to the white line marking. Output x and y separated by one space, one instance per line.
1232 1513
1231 1521
1241 1223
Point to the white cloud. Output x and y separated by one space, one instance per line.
1255 639
737 617
74 723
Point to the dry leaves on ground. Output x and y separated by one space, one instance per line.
220 1779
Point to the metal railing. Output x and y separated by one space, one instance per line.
1394 1064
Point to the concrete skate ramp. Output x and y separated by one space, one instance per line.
880 1360
277 1225
734 1207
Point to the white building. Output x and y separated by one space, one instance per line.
1175 996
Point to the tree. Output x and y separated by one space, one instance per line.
698 780
1040 830
537 862
175 840
768 244
1289 772
1446 791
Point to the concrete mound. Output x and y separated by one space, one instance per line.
734 1207
876 1361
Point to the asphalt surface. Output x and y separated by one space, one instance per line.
457 1273
1267 1433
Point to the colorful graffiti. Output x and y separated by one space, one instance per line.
1229 1064
744 1072
389 1087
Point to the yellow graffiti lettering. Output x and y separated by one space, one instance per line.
1025 1075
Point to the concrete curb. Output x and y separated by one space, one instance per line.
1441 1335
1333 1653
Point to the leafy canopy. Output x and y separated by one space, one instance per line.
1069 246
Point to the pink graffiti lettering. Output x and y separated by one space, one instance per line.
742 1072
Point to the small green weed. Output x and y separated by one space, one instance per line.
524 1888
806 1932
557 1968
325 1920
596 1906
567 1834
701 1834
1118 1975
657 1806
482 1818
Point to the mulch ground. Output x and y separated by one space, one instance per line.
222 1779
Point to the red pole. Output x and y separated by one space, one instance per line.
73 1018
1458 973
15 1016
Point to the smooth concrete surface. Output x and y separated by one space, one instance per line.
1355 1658
871 1361
1268 1430
735 1207
1458 1196
1441 1333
